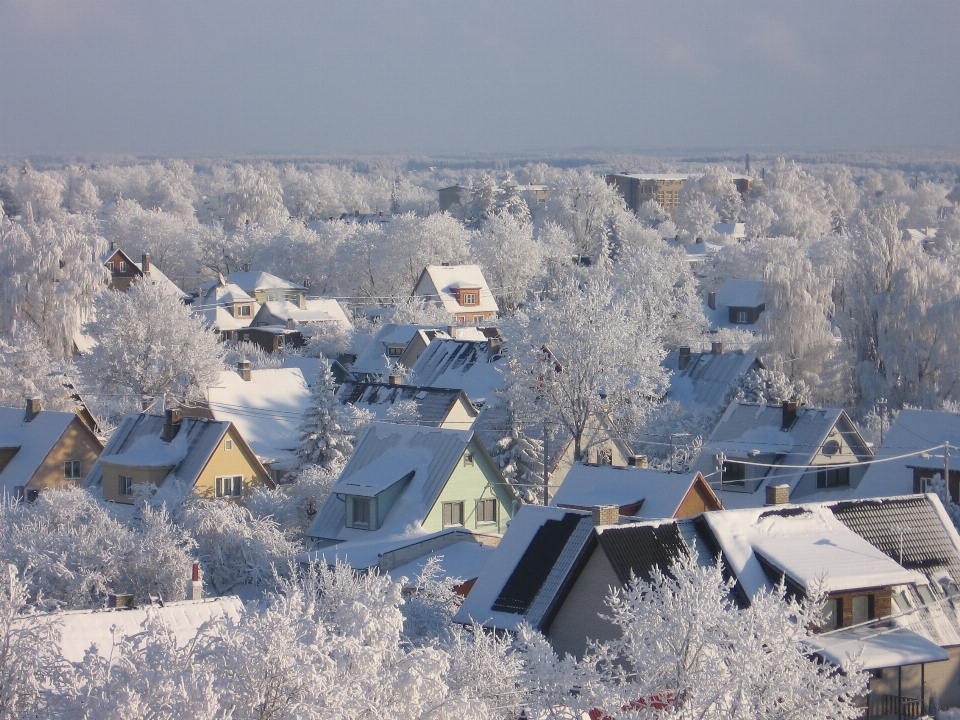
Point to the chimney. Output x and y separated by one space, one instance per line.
302 301
445 264
684 359
171 424
243 367
291 324
637 461
716 348
33 408
712 300
778 494
195 585
395 380
452 331
113 244
789 414
493 348
606 515
145 266
246 267
124 600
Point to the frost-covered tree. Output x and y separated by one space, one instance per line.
511 259
149 345
766 386
326 436
416 310
28 370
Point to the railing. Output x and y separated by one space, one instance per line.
886 706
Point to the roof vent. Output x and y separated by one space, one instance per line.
778 494
637 461
33 408
789 414
716 348
243 367
171 424
606 515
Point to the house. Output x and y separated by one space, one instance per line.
123 271
461 290
554 569
703 380
313 311
473 366
208 458
265 406
453 195
408 485
808 451
43 449
734 231
393 344
738 302
428 406
912 453
271 338
637 491
265 287
225 307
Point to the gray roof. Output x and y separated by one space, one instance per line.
34 440
370 361
708 377
433 404
740 293
463 364
137 442
434 454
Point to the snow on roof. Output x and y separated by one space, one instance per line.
661 493
433 405
666 177
478 605
219 318
874 648
218 294
80 629
157 277
439 281
308 367
318 310
267 410
462 364
911 432
737 230
384 472
462 560
370 360
35 440
707 378
253 280
740 293
438 452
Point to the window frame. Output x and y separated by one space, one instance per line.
367 504
395 352
123 266
228 445
743 318
469 299
75 470
111 267
229 486
447 513
829 478
486 511
740 477
469 460
125 485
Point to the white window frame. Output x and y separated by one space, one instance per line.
469 299
72 470
125 486
123 266
228 444
110 266
229 486
741 317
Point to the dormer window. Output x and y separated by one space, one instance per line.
394 350
243 311
468 296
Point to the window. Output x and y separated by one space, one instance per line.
452 513
487 511
734 473
834 477
862 608
741 316
832 614
110 266
394 351
604 456
123 266
468 299
126 486
468 460
243 311
361 512
478 318
228 444
230 486
71 470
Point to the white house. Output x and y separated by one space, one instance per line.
461 290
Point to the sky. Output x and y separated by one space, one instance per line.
282 77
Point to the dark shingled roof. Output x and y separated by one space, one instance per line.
926 544
433 404
637 550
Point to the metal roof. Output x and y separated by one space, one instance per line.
708 377
433 404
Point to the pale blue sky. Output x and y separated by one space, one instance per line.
204 77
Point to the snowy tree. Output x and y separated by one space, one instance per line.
149 344
416 310
511 259
294 503
766 386
326 436
28 370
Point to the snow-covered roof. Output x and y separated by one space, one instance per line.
317 310
384 472
267 410
157 277
463 364
658 494
81 629
34 440
707 378
665 177
462 560
435 453
439 281
219 318
740 293
253 280
736 230
433 405
370 360
873 648
218 294
912 432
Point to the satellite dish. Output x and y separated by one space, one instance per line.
831 447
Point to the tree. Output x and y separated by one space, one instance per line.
511 259
520 459
27 369
149 345
326 436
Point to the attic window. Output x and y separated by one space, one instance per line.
834 477
734 473
228 444
123 266
110 266
394 351
468 299
71 470
125 486
243 311
361 513
452 513
468 459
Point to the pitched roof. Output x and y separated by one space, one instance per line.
707 378
463 364
740 293
317 310
431 453
439 281
433 404
219 294
219 318
370 361
253 280
34 440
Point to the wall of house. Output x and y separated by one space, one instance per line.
578 619
223 463
137 475
460 417
6 455
941 679
413 351
469 483
596 438
76 443
697 501
846 454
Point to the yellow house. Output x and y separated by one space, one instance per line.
42 449
209 456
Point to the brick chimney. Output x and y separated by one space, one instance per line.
113 244
712 300
145 265
120 600
637 461
395 380
195 584
33 408
246 267
243 367
789 414
684 357
778 494
606 515
171 425
716 348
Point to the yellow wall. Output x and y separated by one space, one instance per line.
224 463
76 443
138 476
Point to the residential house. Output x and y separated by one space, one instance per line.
265 406
912 453
889 569
737 303
225 307
43 449
313 311
208 458
265 287
703 380
428 406
732 231
636 491
811 451
461 290
406 489
392 345
473 366
123 271
271 338
453 195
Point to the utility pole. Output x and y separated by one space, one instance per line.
882 404
946 470
546 474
